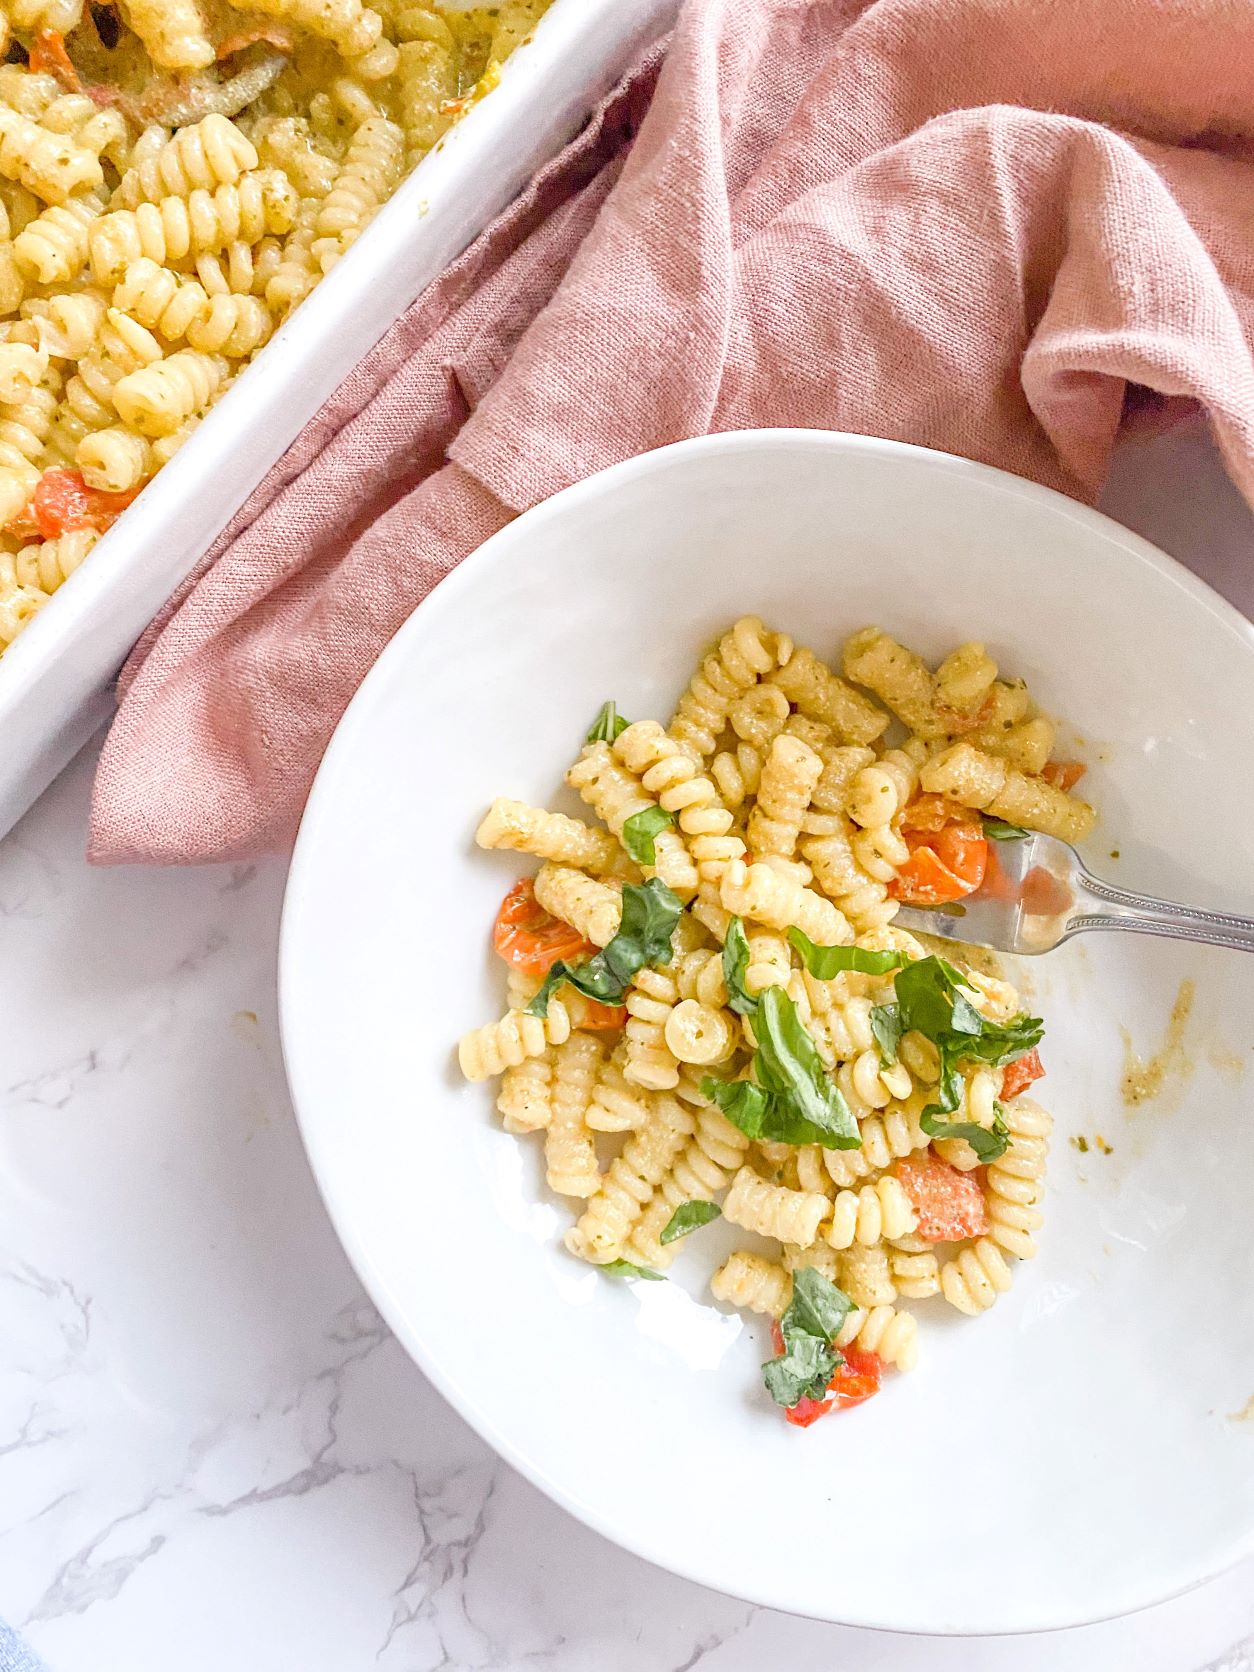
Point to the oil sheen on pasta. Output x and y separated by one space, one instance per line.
782 794
175 178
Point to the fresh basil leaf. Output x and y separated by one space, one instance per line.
886 1031
1000 831
824 962
925 995
735 963
624 1268
950 1087
788 1064
792 1101
689 1216
809 1328
817 1305
595 980
762 1114
930 999
1000 1043
987 1142
803 1370
640 833
650 913
607 725
744 1104
964 1017
558 972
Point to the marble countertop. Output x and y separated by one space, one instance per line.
212 1453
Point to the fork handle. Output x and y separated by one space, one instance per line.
1120 908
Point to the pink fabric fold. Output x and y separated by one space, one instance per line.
995 227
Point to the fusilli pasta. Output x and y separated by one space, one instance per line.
586 903
633 1176
523 829
570 1156
266 150
973 1279
715 1097
752 1282
615 795
772 1210
745 654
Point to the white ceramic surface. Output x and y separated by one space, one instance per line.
1070 1456
54 681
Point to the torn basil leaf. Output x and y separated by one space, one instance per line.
689 1216
607 725
744 1104
762 1114
790 1100
988 1142
809 1328
886 1031
650 912
735 963
823 962
787 1062
1000 1043
803 1370
925 996
625 1268
1000 831
930 1001
817 1305
640 833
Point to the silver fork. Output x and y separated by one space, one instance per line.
1036 894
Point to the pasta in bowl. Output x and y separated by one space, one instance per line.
712 1015
175 178
641 1406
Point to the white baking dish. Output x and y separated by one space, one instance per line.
55 680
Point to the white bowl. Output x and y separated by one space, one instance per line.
1073 1454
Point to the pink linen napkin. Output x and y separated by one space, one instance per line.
996 227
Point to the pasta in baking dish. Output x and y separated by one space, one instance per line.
175 178
711 1013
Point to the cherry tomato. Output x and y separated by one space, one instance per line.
806 1411
527 936
1063 775
944 865
932 812
855 1381
1019 1075
63 502
949 1203
963 849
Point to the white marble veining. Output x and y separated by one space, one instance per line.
212 1454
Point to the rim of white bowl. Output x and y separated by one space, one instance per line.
445 595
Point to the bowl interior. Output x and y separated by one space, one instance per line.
1090 1414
